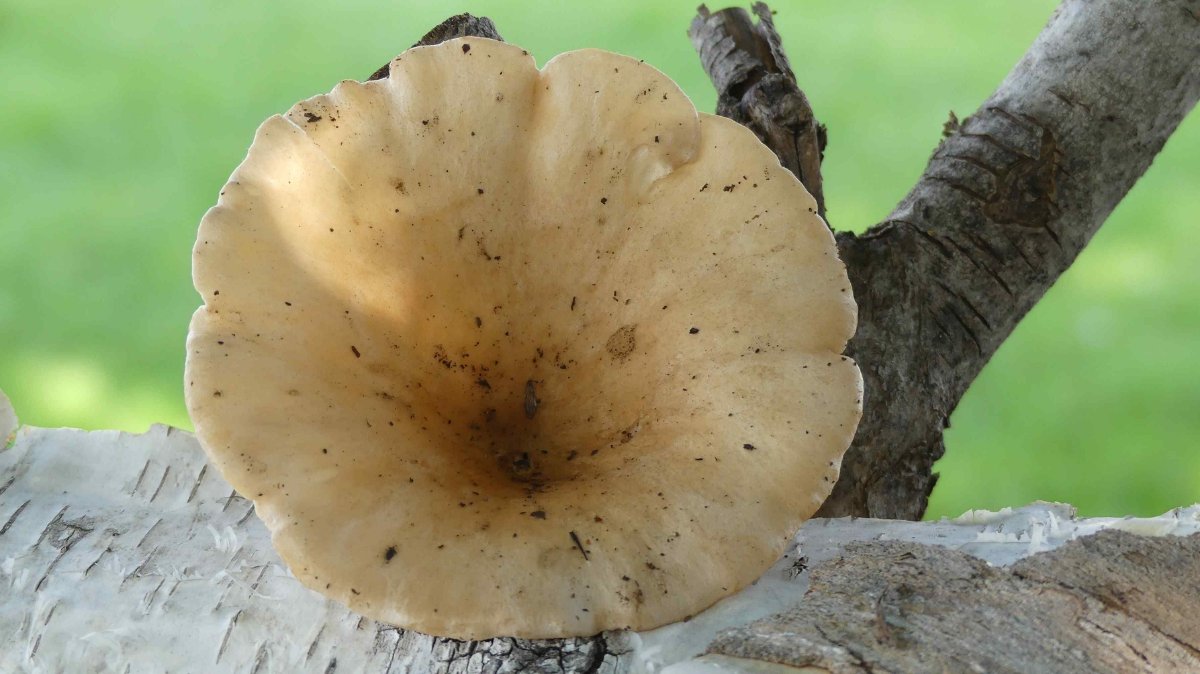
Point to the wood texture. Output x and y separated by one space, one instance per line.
1111 603
757 88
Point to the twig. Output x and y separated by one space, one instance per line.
756 88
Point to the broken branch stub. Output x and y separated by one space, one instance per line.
459 25
757 88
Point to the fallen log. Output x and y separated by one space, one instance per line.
123 552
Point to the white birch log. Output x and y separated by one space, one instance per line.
127 553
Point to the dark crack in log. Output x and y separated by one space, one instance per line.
1110 603
461 25
756 88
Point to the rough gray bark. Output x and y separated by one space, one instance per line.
1008 200
757 88
1111 603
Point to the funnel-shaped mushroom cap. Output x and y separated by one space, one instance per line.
501 351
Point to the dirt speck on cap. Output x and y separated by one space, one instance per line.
622 342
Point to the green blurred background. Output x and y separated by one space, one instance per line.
122 119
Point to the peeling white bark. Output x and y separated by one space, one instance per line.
124 552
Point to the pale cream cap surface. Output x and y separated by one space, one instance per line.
501 351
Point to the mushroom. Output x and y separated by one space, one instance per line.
501 351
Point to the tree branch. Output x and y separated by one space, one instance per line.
1007 202
756 88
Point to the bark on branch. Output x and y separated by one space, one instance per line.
757 88
1008 200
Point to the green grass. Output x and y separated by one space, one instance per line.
121 120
